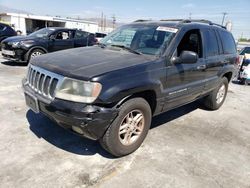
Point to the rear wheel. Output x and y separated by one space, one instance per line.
217 97
129 129
34 53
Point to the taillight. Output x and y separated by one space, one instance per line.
238 60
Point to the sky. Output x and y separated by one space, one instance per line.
129 10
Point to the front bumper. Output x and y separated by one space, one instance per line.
19 54
92 120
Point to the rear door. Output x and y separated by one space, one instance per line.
185 82
63 40
214 58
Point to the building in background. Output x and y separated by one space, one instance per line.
28 23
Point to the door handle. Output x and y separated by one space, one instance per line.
201 67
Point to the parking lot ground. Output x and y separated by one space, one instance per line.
186 147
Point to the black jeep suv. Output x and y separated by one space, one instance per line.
110 92
23 48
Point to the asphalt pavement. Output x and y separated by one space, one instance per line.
186 147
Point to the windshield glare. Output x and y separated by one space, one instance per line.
42 32
144 39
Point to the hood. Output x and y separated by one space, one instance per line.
88 62
19 39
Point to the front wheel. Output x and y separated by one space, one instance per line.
35 53
217 97
129 129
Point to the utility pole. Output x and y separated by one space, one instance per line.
102 22
114 21
223 18
105 23
190 16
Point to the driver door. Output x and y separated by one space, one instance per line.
61 40
185 82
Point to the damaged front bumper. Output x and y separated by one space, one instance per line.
87 120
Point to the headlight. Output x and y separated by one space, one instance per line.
78 91
15 44
27 42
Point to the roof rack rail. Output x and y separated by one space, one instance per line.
141 20
193 20
203 21
173 20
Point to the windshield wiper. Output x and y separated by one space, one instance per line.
126 48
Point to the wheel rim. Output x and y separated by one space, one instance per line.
131 127
35 54
221 94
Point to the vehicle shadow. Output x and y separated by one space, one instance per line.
175 113
44 128
14 64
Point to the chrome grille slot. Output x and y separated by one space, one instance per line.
43 82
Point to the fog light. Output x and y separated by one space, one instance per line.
77 129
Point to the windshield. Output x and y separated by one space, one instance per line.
145 39
42 32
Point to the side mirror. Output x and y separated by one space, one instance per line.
52 37
186 57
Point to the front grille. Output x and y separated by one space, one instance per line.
43 82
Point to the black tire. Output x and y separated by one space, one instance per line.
111 141
35 51
211 100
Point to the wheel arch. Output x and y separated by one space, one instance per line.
148 95
228 75
34 48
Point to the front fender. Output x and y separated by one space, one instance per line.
115 91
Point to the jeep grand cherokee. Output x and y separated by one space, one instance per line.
110 92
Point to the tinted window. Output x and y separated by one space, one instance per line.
212 48
245 51
80 34
228 43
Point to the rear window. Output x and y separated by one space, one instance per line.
212 43
81 34
228 43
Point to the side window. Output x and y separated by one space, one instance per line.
245 51
81 34
191 41
63 35
228 43
212 48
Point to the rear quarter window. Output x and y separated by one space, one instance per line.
228 43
